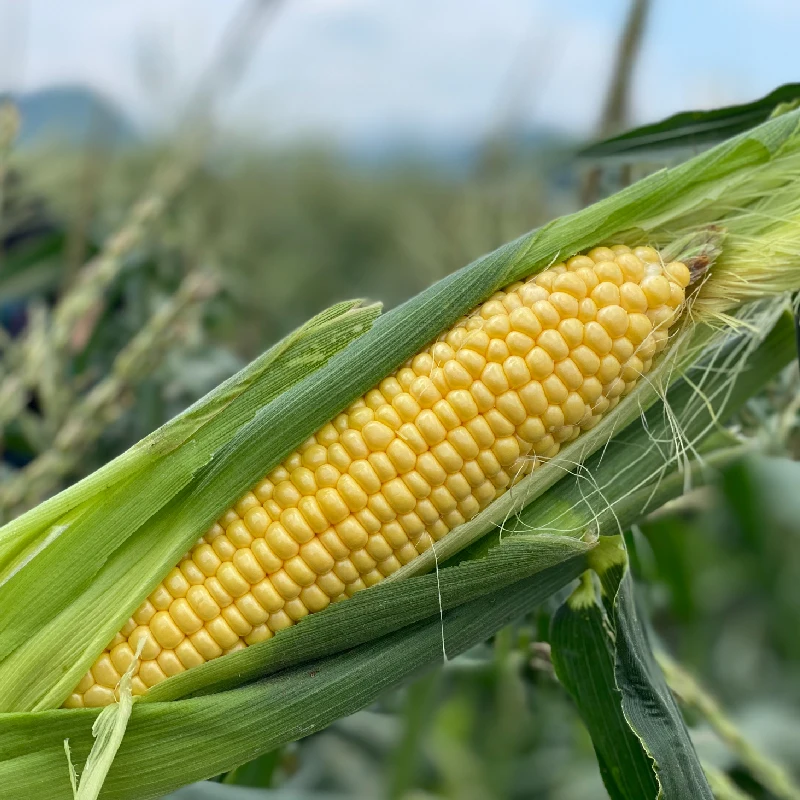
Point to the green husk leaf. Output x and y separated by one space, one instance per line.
386 609
234 726
108 731
287 361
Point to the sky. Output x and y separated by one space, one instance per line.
374 70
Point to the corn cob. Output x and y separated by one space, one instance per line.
424 451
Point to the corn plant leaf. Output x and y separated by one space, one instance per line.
647 701
583 657
603 657
692 129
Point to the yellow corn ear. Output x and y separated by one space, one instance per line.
424 451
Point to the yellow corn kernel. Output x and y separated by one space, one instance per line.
104 672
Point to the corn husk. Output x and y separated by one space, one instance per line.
73 569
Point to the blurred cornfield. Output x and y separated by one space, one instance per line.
134 278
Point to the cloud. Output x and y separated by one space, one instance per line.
347 68
443 69
782 10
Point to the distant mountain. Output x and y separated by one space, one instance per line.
72 115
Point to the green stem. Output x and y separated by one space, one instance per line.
722 786
772 776
417 712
